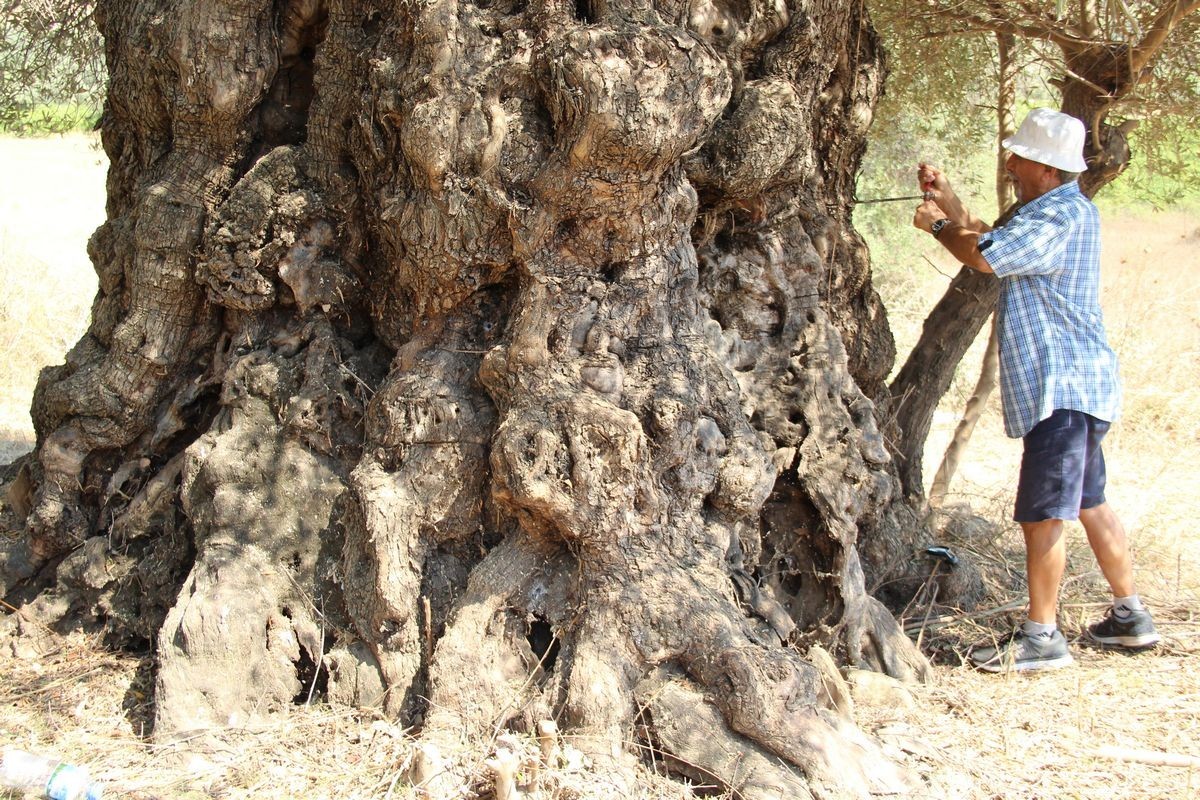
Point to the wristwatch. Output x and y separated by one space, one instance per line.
936 227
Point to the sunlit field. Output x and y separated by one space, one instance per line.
1151 299
53 199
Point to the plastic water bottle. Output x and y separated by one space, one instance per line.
46 777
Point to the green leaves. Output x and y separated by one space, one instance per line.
51 66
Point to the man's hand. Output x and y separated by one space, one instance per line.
936 187
928 213
962 242
933 180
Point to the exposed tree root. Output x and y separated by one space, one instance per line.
260 504
695 741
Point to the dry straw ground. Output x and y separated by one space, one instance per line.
1115 725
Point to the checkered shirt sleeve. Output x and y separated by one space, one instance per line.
1054 351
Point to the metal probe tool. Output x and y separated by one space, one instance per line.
924 196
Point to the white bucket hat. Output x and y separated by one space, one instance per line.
1050 137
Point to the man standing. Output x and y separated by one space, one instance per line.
1058 377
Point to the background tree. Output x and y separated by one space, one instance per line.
51 75
491 362
1006 97
1101 59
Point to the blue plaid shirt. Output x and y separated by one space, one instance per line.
1053 351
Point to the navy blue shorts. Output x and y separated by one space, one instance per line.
1062 468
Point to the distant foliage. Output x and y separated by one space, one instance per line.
941 90
51 66
938 107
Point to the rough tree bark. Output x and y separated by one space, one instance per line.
490 362
919 386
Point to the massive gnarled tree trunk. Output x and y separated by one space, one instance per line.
491 362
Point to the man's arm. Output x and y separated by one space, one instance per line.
962 242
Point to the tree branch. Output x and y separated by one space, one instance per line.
1158 30
1028 23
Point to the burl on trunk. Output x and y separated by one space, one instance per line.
492 362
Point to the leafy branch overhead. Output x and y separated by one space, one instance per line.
1136 61
51 65
1112 47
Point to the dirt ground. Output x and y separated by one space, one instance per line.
1114 725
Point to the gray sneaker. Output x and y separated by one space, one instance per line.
1134 630
1020 652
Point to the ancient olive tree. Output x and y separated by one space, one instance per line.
489 361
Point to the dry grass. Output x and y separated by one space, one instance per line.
84 704
969 735
68 696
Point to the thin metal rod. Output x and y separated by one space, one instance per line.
892 199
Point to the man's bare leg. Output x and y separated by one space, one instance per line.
1107 538
1128 623
1038 644
1045 560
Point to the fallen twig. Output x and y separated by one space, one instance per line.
1153 757
54 684
946 619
